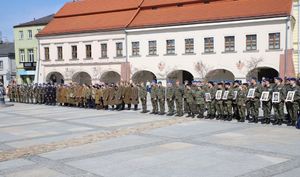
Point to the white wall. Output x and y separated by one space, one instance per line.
162 65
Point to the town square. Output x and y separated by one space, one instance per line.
150 88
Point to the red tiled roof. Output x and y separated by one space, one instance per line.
96 6
214 11
99 15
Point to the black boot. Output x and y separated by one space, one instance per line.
279 122
275 122
229 118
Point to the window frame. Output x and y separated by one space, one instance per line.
229 44
88 51
60 53
170 47
152 47
21 35
47 53
274 41
251 44
74 51
104 50
189 44
209 45
135 48
22 55
30 34
30 55
1 65
119 49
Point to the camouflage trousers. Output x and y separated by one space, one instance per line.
200 109
278 110
154 105
292 108
162 105
211 108
266 107
191 108
241 110
227 108
179 110
219 108
254 108
144 104
170 103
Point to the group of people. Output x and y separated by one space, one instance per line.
210 100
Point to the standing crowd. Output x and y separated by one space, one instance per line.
210 100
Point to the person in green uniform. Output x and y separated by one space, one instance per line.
161 96
266 98
292 100
227 101
199 94
241 102
154 100
178 92
170 96
219 101
143 96
210 93
278 104
189 95
254 100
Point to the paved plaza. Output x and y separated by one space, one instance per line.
43 141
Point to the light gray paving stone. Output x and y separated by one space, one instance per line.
14 164
177 160
37 172
293 173
281 140
102 146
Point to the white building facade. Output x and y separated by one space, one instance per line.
7 63
228 50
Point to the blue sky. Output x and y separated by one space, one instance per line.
14 12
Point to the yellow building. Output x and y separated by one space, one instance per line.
296 37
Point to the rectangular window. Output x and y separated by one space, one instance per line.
29 34
135 48
22 55
274 41
119 47
88 51
59 53
209 45
251 42
1 65
30 55
21 35
103 50
47 53
74 52
170 46
189 45
152 48
229 44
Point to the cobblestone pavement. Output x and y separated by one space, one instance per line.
41 141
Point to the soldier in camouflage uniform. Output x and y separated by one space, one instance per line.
154 99
278 106
254 101
189 95
178 98
199 94
143 96
210 101
227 102
266 105
161 96
185 104
235 89
293 105
170 95
219 101
241 102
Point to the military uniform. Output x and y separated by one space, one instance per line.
179 100
254 103
143 98
135 97
161 96
241 103
267 105
227 103
154 99
189 95
200 101
170 95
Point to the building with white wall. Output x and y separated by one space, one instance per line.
141 40
7 63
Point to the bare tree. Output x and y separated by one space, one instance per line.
252 65
201 69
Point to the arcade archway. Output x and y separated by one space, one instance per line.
263 72
180 75
110 77
219 75
82 78
143 76
55 78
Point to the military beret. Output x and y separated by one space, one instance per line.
278 78
220 83
254 78
293 79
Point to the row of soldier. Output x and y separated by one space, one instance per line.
224 101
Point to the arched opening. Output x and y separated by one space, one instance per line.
110 77
219 75
143 76
263 72
180 75
55 78
82 78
